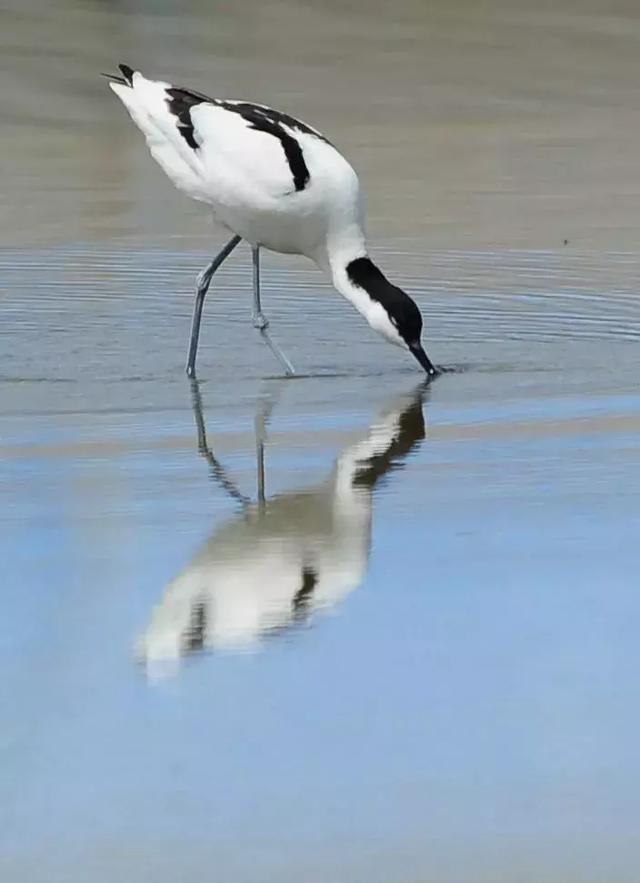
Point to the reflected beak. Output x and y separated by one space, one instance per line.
424 359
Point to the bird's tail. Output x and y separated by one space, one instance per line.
148 104
127 75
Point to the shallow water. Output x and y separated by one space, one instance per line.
405 649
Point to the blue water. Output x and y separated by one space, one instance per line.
468 707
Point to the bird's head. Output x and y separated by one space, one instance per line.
391 311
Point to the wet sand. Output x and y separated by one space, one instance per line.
416 658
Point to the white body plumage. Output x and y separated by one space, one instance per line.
243 174
275 182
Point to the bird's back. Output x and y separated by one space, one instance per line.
270 178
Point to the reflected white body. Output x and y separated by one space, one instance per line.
276 563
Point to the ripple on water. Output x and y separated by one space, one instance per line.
495 296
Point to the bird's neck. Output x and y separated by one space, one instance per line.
357 278
337 256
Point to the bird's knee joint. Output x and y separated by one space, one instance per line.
202 279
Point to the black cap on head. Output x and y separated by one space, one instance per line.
403 312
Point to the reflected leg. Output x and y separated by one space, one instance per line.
217 470
203 282
260 321
264 409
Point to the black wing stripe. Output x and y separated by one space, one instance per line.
263 119
263 122
180 102
277 117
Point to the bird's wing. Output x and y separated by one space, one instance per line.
211 145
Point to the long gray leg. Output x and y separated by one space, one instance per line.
203 282
260 321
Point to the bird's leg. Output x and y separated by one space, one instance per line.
260 321
203 281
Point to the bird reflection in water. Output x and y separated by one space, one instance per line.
268 568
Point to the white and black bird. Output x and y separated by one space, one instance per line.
279 560
277 183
